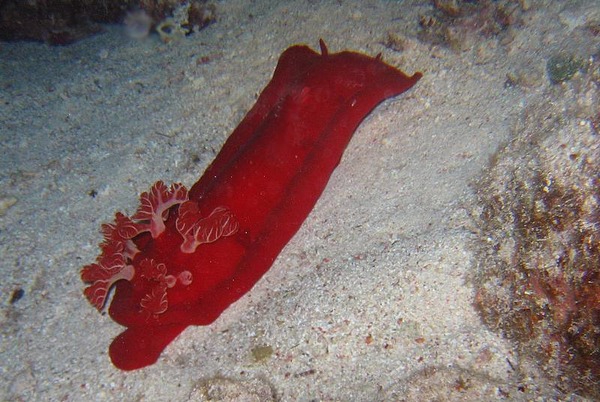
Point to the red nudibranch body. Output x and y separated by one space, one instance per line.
185 256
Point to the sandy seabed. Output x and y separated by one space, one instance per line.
369 301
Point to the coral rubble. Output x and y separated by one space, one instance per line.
62 22
460 24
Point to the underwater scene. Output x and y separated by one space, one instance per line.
380 200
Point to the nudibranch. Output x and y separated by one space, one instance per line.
185 256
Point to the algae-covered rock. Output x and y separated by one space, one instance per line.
562 67
538 279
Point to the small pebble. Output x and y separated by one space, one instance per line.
6 203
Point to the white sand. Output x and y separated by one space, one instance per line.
369 299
